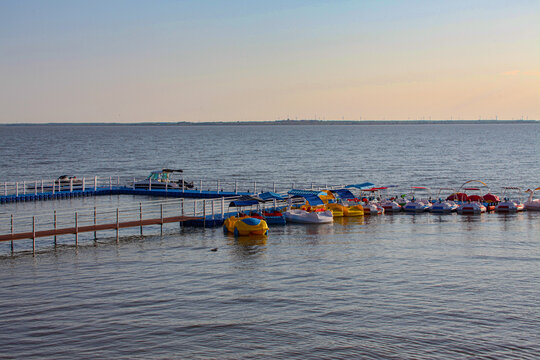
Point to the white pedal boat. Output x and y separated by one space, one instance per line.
304 217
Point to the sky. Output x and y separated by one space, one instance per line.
170 61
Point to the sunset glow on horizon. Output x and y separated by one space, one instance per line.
172 61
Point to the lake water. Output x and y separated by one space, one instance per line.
392 286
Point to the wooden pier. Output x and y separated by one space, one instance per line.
92 228
53 223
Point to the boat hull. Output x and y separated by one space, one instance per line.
304 217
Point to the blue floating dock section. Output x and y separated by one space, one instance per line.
4 199
194 194
119 190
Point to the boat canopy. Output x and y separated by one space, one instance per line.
313 200
300 192
172 170
365 185
344 194
246 200
266 196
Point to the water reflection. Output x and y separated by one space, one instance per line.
349 220
247 247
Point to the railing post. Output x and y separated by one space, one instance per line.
236 186
95 223
254 187
140 217
222 209
204 213
311 186
117 180
5 188
110 182
133 184
274 186
24 188
71 185
200 187
166 186
34 235
54 227
12 233
83 184
149 184
117 225
95 183
218 186
76 229
16 189
161 217
42 186
53 186
183 186
195 208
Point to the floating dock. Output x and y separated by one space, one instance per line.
119 190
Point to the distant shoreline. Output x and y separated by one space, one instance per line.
289 122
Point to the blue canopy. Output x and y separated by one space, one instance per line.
344 194
365 185
271 195
246 200
313 200
303 193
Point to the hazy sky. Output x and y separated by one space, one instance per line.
138 61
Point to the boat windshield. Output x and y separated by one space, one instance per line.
159 176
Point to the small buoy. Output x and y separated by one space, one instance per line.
214 249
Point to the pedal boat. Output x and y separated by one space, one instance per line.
245 226
304 217
532 204
508 205
444 206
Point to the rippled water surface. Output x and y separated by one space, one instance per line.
392 286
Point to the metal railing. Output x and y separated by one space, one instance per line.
53 186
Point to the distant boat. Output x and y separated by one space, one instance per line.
510 205
444 206
532 204
418 205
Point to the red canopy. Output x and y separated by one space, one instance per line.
458 197
491 198
475 198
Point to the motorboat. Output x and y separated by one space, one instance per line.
417 205
444 206
305 217
532 204
508 205
163 179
